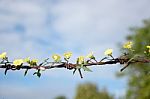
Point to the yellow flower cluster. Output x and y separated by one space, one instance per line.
56 57
34 60
67 55
148 48
3 55
31 62
80 59
18 62
128 45
27 60
108 52
90 55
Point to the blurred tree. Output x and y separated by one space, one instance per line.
90 91
139 74
60 97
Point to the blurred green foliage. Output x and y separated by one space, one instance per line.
90 91
61 97
139 74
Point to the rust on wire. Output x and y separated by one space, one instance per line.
70 66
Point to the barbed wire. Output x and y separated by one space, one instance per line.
123 60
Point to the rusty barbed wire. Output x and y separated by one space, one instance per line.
123 60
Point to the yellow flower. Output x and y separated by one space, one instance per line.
128 45
90 55
27 60
31 62
34 60
67 55
108 52
17 62
56 57
81 59
3 55
148 47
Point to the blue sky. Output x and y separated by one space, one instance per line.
39 28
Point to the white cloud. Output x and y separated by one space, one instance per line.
90 24
97 21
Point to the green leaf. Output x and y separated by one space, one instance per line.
74 71
39 74
86 69
93 57
34 73
6 70
65 59
45 61
77 62
25 73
